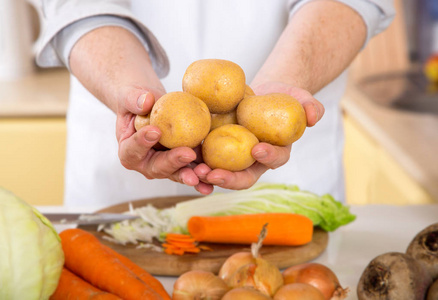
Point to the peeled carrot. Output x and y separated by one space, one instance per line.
71 286
177 243
143 275
87 257
282 229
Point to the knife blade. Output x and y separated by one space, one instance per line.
87 218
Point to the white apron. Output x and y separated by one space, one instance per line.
188 32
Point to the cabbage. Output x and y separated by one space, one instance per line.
324 211
31 256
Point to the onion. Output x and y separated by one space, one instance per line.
245 293
233 264
199 285
258 273
319 276
298 291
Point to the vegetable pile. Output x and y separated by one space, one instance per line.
323 211
31 256
412 275
246 275
95 271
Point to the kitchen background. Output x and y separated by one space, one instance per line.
390 111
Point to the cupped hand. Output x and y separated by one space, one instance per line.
136 148
267 156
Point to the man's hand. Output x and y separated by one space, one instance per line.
267 156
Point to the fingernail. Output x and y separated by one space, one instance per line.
151 136
260 154
140 101
185 159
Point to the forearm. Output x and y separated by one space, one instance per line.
319 42
109 61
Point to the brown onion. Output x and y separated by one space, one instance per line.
234 263
245 293
319 276
199 285
258 273
261 275
298 291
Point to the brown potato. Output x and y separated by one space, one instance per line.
218 120
219 83
229 147
184 120
277 119
141 121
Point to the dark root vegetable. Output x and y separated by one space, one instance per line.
424 248
394 276
432 293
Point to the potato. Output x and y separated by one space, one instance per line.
141 121
218 120
229 147
277 119
219 83
184 120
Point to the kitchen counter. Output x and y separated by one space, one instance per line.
41 94
409 136
378 229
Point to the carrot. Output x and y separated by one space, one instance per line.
282 229
87 257
143 275
177 243
71 286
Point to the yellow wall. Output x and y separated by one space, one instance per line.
32 154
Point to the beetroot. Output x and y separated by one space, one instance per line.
424 248
394 276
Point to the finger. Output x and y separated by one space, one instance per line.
237 180
314 111
134 149
271 156
204 188
138 102
167 164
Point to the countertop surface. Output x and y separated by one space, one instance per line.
42 94
409 136
378 229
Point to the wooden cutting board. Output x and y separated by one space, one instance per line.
158 263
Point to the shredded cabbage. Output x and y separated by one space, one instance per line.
324 211
31 256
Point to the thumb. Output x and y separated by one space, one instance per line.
140 101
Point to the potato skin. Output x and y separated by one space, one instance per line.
219 83
229 147
277 119
184 120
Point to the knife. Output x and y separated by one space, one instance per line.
87 218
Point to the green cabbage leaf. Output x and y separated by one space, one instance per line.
31 256
324 211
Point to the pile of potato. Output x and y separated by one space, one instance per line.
216 108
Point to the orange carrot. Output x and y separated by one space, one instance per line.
177 243
143 275
283 228
88 258
71 286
